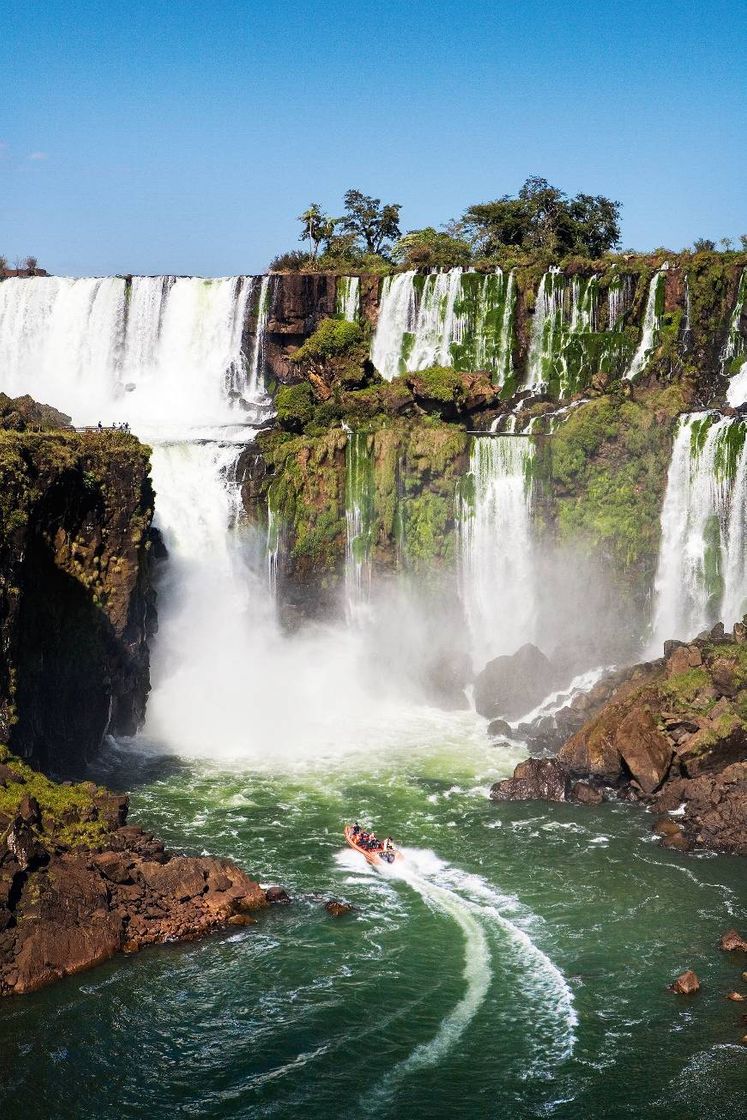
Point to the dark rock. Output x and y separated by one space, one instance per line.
337 909
500 729
277 896
686 983
9 776
535 779
584 794
510 686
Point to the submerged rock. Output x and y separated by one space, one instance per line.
510 686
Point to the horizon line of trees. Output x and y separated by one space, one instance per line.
20 264
539 219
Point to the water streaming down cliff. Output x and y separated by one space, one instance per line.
651 325
497 567
734 353
348 297
702 570
566 346
164 352
456 318
359 493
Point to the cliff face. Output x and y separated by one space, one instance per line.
76 603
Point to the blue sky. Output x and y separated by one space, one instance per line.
181 136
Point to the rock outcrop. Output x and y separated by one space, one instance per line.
76 600
510 686
77 884
673 735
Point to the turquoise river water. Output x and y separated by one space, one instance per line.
517 966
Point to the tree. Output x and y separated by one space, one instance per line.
317 227
542 217
368 219
743 241
429 248
727 243
30 264
703 245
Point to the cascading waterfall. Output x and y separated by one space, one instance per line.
651 325
497 569
547 323
733 356
457 318
359 491
702 574
256 371
618 301
566 346
347 303
165 354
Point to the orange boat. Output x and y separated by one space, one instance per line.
376 857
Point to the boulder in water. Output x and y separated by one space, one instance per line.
732 941
510 686
686 983
336 908
277 896
535 779
500 729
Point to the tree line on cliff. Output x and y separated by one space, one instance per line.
540 219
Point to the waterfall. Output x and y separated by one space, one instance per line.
162 352
256 373
497 568
547 323
618 302
457 318
347 303
702 575
733 355
359 495
651 325
736 343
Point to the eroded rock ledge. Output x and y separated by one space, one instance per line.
673 735
77 884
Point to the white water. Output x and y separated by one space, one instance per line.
650 330
416 332
497 569
547 323
702 575
348 297
482 914
169 357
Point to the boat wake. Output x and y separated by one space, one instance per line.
489 922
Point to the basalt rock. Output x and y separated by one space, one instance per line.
732 941
673 735
510 686
78 885
686 983
337 909
76 599
535 779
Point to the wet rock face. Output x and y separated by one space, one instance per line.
76 600
686 984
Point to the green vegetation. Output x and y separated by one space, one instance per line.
608 465
431 248
69 812
542 217
331 339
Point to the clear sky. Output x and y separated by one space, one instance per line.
182 136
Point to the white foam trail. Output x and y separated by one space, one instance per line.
552 704
474 904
